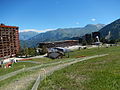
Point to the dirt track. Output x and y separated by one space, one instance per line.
24 82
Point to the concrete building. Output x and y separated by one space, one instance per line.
9 41
65 43
88 38
94 35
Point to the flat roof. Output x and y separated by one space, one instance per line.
59 41
2 25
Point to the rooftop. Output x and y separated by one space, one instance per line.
3 25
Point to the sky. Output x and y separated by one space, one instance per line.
45 15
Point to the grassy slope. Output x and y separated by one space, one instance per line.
20 65
95 74
16 66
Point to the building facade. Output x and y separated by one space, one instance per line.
94 35
65 43
9 40
88 38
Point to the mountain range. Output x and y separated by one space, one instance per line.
27 35
111 30
61 34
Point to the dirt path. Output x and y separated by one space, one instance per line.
58 67
24 82
3 77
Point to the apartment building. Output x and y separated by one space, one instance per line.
9 41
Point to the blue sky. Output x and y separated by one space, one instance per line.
52 14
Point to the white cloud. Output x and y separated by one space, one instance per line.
93 19
27 30
77 23
47 30
39 31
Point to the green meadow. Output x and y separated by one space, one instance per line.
95 74
101 73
